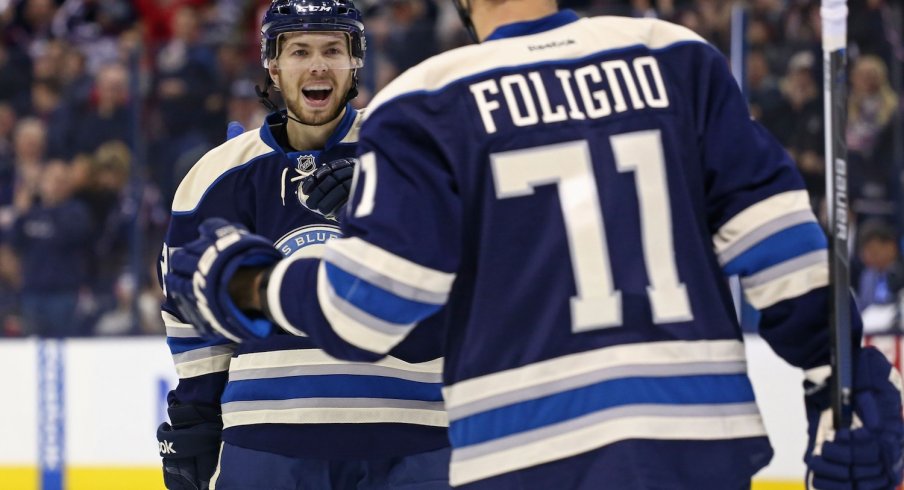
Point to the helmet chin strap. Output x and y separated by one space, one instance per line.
263 96
465 15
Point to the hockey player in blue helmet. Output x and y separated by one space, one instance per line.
279 413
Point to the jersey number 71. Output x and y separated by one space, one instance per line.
598 304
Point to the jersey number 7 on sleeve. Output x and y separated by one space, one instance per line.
598 304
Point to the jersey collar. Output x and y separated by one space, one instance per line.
341 131
543 24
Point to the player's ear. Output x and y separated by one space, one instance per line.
273 69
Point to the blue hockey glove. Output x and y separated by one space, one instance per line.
190 447
234 129
867 456
201 271
326 190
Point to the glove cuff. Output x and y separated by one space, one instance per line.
237 322
188 415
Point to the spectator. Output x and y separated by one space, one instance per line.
868 27
10 323
119 203
14 69
762 87
7 156
878 274
243 105
413 37
50 237
91 27
77 82
30 26
45 99
47 60
183 89
120 320
29 146
802 25
798 121
186 72
156 17
104 117
133 315
872 106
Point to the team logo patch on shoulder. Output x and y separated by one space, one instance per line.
307 241
306 163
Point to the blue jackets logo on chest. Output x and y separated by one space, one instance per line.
307 241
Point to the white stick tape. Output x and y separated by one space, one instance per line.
834 15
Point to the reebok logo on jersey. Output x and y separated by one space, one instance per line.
551 44
166 447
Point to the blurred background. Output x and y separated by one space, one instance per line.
106 104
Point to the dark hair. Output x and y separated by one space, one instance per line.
877 230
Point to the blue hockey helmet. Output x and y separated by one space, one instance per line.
312 15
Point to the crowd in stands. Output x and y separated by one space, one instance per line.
106 104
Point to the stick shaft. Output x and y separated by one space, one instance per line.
834 20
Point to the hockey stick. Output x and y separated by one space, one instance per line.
834 43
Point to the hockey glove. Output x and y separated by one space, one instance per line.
867 456
326 190
190 447
201 271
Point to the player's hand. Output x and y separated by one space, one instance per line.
326 190
201 275
867 456
190 448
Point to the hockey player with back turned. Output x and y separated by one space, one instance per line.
292 416
575 191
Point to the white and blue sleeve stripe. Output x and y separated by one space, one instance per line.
776 247
370 298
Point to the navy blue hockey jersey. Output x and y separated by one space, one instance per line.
576 192
280 394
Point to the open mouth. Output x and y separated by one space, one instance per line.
317 95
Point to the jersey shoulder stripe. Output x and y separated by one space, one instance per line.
574 41
231 155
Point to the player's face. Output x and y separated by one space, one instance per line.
313 70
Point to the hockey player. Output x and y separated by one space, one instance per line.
292 416
575 191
